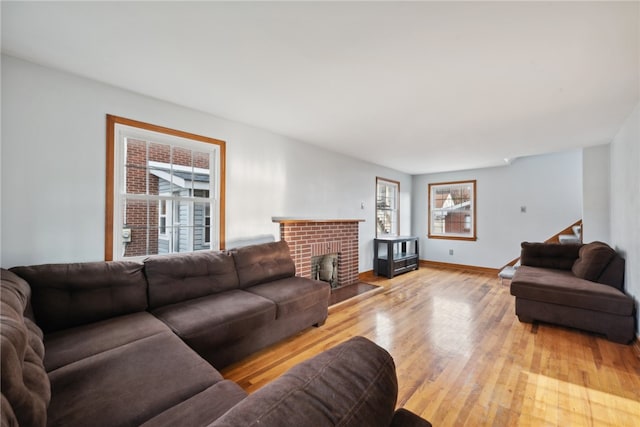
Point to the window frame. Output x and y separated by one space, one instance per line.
115 167
395 212
472 235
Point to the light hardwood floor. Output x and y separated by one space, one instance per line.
463 358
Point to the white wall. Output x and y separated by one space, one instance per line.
625 201
53 169
549 186
595 193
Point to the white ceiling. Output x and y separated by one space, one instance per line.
419 87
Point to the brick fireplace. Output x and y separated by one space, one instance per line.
309 238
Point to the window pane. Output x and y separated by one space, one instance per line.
135 180
136 216
201 160
162 216
159 152
182 156
202 225
386 196
165 240
201 174
159 168
138 245
182 167
201 183
154 241
181 237
135 152
160 179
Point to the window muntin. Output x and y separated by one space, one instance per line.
166 187
387 207
452 210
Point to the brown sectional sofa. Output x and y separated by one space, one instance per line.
126 343
575 285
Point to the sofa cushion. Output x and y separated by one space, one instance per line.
263 263
73 344
592 261
293 294
179 277
201 409
352 384
67 295
215 319
549 255
613 274
129 384
24 382
563 288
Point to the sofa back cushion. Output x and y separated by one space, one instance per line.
592 260
613 274
179 277
68 295
25 385
598 262
263 263
549 255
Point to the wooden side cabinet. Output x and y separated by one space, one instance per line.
395 255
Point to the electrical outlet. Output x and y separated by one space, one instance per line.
450 251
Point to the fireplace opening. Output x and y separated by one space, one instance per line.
325 268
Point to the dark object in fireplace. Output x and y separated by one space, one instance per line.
325 268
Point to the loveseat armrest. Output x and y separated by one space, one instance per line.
352 384
549 255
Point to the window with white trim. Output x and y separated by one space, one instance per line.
387 207
164 192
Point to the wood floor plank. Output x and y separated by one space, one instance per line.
463 358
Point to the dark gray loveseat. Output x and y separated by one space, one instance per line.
124 342
575 285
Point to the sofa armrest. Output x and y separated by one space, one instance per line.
353 383
25 386
405 418
549 255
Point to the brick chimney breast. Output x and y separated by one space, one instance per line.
314 237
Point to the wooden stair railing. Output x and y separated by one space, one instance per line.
554 239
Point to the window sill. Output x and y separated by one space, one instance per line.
471 238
